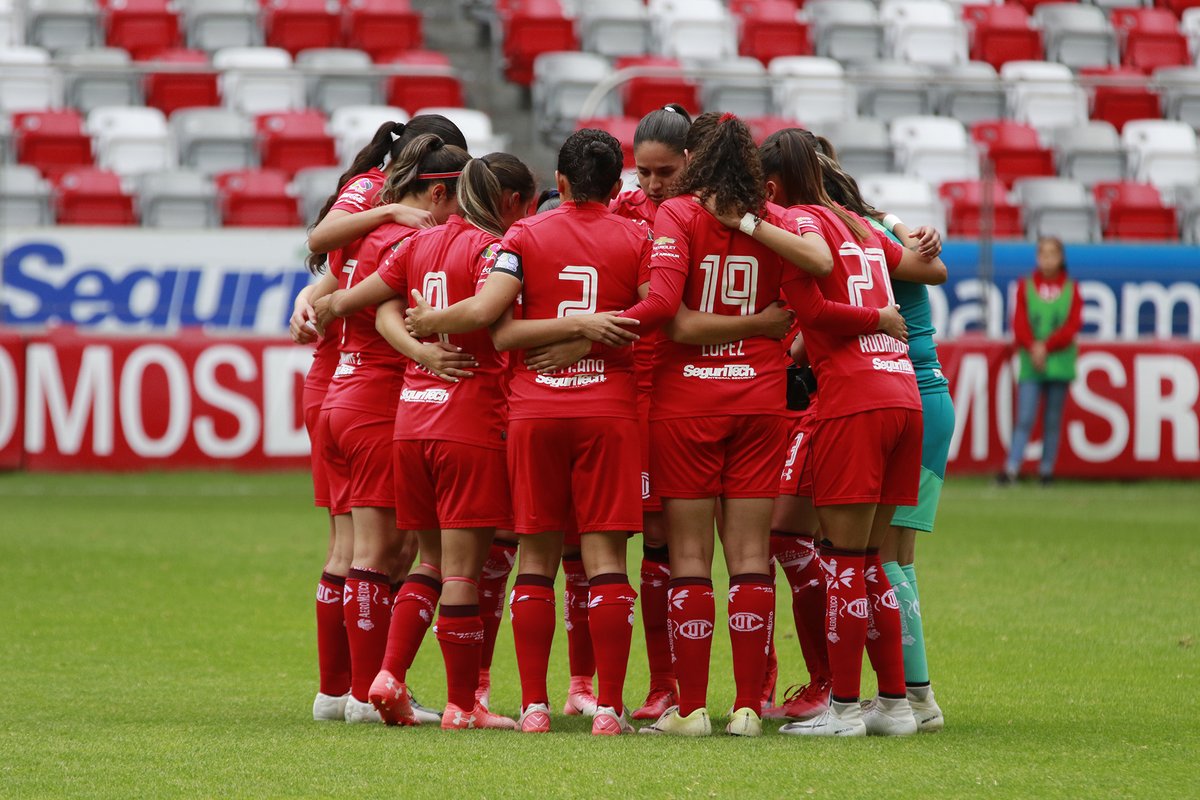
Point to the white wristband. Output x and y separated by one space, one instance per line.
748 224
890 221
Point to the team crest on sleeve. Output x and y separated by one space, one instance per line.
361 185
490 252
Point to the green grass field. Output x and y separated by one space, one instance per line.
158 641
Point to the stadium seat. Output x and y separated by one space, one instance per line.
1187 203
338 77
1058 207
697 31
256 80
965 215
24 197
615 29
292 140
622 129
168 91
1013 149
742 87
863 145
476 127
6 139
771 29
934 149
256 198
217 24
101 77
924 31
1189 26
1179 88
847 30
383 28
642 95
1120 94
1162 152
762 127
431 82
1002 33
213 140
92 197
52 141
27 80
296 25
354 126
313 185
538 26
811 88
1076 35
130 141
11 30
1150 38
1044 95
911 199
890 89
970 92
61 25
145 28
181 199
1134 211
562 83
1090 153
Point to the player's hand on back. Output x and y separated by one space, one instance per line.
606 328
929 241
446 361
891 322
776 320
730 219
302 325
323 312
419 318
411 217
559 355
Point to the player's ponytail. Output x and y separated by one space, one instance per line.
591 161
725 164
668 126
791 154
424 161
482 185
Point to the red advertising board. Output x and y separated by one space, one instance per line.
12 417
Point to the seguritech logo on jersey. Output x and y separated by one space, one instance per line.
728 372
436 396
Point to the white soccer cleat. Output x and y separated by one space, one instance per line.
425 715
925 709
886 716
329 707
607 722
535 718
671 723
744 722
840 719
360 712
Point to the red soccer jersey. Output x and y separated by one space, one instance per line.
360 192
869 371
637 206
576 259
446 263
325 358
634 205
369 372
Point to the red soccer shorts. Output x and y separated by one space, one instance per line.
796 479
869 457
650 501
728 456
312 399
358 445
450 485
591 465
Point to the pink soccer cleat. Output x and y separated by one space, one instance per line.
581 699
607 722
535 718
478 718
392 699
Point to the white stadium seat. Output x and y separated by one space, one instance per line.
811 89
924 31
1162 152
935 149
214 140
1044 95
101 77
353 126
27 80
476 127
256 80
130 141
562 82
911 199
1058 207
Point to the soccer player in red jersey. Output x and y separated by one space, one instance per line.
358 188
573 432
869 406
717 426
359 417
450 473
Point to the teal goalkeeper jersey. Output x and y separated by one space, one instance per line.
918 315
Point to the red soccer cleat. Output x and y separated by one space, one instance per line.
803 702
657 703
392 700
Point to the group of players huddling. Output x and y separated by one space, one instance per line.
493 386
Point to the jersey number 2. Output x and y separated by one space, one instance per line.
591 288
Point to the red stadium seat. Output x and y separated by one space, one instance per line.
292 140
1013 149
643 95
253 197
296 25
622 129
143 27
1134 211
1128 97
1030 5
770 29
425 91
52 141
762 127
536 27
382 28
964 209
92 197
1150 38
1177 7
168 91
1001 34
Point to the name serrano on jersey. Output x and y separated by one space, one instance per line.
424 396
585 372
728 372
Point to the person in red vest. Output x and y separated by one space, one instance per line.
1046 322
